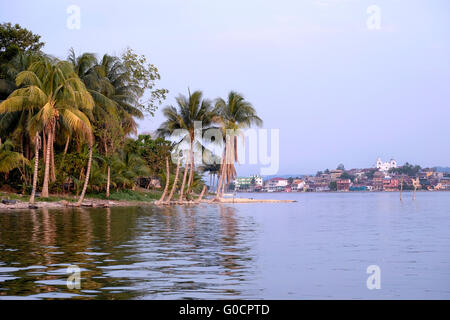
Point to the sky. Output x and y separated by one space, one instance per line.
341 83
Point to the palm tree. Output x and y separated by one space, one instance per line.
88 172
166 188
10 160
189 110
55 95
37 145
186 168
174 186
234 114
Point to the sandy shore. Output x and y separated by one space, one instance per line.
95 203
250 200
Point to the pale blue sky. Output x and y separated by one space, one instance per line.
337 91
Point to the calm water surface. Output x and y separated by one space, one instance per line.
316 248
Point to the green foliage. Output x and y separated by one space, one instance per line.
14 40
143 76
408 169
9 159
64 104
333 185
346 175
369 174
130 195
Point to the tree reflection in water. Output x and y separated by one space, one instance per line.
170 252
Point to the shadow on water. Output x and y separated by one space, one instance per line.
125 253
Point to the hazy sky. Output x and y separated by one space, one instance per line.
338 91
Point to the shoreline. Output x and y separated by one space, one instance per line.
103 203
97 203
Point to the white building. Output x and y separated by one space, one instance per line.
385 166
275 184
247 182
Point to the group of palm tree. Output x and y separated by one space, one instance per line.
67 104
69 122
233 114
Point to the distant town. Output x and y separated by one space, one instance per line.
383 176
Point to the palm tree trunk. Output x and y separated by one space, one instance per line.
174 186
221 178
44 155
47 167
52 157
166 188
186 168
66 147
36 167
108 182
191 173
199 200
108 179
86 181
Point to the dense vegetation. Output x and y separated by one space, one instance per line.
68 126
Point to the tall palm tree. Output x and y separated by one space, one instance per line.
189 110
55 96
166 188
37 145
174 186
233 114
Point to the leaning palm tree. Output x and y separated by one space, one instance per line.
174 186
189 110
88 170
234 114
55 96
166 188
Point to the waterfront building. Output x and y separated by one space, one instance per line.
444 184
275 184
390 184
298 185
335 174
343 184
245 183
377 181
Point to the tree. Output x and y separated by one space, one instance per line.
333 185
340 167
10 160
346 175
234 114
408 169
166 188
189 110
142 76
55 97
14 39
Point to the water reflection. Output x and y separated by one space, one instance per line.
179 252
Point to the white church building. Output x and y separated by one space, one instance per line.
385 166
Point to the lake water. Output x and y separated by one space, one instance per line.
317 248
